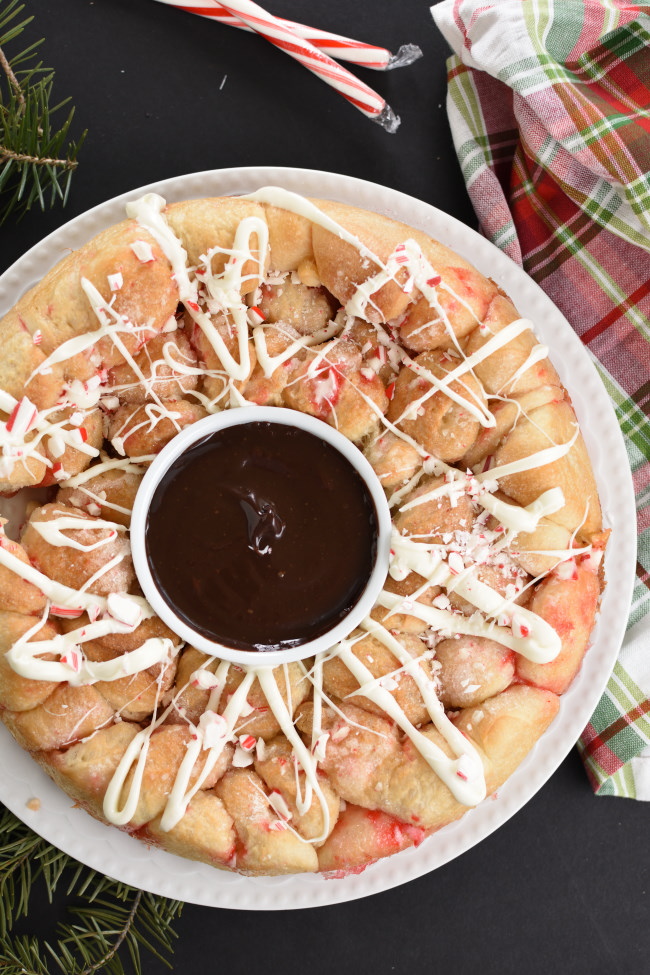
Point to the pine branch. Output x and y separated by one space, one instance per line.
110 922
36 156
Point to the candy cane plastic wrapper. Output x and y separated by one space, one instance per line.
334 45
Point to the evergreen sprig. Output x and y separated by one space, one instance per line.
110 922
37 159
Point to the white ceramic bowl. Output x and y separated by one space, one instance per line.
186 439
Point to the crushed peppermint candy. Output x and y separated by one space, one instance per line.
55 446
143 251
255 316
242 758
109 403
455 563
388 683
85 395
340 733
213 728
79 435
278 826
22 418
124 609
591 561
115 281
519 627
204 679
566 570
320 747
59 473
66 612
73 658
278 803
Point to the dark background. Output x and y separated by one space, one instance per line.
560 888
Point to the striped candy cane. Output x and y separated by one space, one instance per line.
354 90
334 45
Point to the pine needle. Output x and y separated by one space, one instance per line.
37 158
108 923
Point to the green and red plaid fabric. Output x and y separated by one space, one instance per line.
549 106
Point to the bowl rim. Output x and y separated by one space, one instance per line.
237 416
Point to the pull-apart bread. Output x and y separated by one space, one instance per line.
495 572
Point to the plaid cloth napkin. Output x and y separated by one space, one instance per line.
549 106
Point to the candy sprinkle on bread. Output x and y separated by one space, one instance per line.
495 574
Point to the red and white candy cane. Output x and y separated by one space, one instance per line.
334 45
354 90
21 418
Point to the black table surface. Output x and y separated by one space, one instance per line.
562 886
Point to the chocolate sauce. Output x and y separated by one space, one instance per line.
261 536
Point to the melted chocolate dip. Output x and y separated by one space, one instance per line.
261 536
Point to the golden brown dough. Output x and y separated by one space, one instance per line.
74 566
165 753
109 495
209 226
339 682
67 715
204 833
142 430
569 604
20 693
263 847
278 772
16 594
363 836
59 309
545 427
85 770
445 427
161 370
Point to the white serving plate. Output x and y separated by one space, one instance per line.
115 853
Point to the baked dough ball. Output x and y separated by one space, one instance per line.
331 385
472 669
433 411
339 682
136 431
435 520
109 495
308 310
97 554
393 460
19 693
165 369
16 594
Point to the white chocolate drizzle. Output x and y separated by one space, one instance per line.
469 786
215 303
